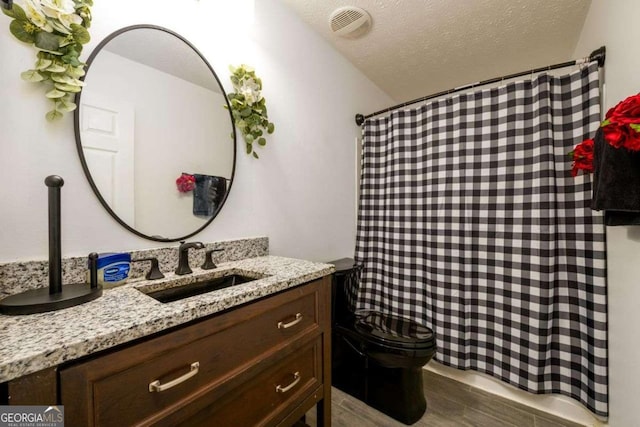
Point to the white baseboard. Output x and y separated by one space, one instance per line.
557 405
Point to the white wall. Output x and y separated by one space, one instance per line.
614 25
300 193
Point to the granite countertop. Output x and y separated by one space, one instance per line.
39 341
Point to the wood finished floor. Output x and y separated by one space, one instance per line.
449 404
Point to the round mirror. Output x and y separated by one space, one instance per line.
152 109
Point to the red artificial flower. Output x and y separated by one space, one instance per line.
622 124
621 129
185 183
615 135
626 112
582 157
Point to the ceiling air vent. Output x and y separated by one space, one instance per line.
350 22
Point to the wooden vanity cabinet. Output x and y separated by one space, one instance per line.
263 363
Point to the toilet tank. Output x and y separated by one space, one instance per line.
344 290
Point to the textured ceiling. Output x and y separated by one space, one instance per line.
418 47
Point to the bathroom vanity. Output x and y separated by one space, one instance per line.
254 353
257 353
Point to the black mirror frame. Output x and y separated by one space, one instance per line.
85 168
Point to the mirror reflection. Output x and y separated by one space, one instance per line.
151 111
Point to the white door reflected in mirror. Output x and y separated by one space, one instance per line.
108 145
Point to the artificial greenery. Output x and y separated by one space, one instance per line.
249 108
57 29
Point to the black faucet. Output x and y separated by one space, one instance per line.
183 257
154 273
208 261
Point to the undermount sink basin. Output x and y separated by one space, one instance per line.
199 287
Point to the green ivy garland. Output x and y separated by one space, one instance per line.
58 30
249 108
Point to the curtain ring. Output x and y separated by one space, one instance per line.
583 63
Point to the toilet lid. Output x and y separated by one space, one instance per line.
395 331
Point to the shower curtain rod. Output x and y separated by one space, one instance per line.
597 55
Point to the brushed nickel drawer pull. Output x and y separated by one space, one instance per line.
298 319
296 380
156 386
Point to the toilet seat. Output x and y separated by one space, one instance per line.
394 332
394 342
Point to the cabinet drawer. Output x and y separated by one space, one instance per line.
266 399
115 389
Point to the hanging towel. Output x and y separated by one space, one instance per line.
208 194
616 183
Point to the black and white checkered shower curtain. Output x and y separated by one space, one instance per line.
470 223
